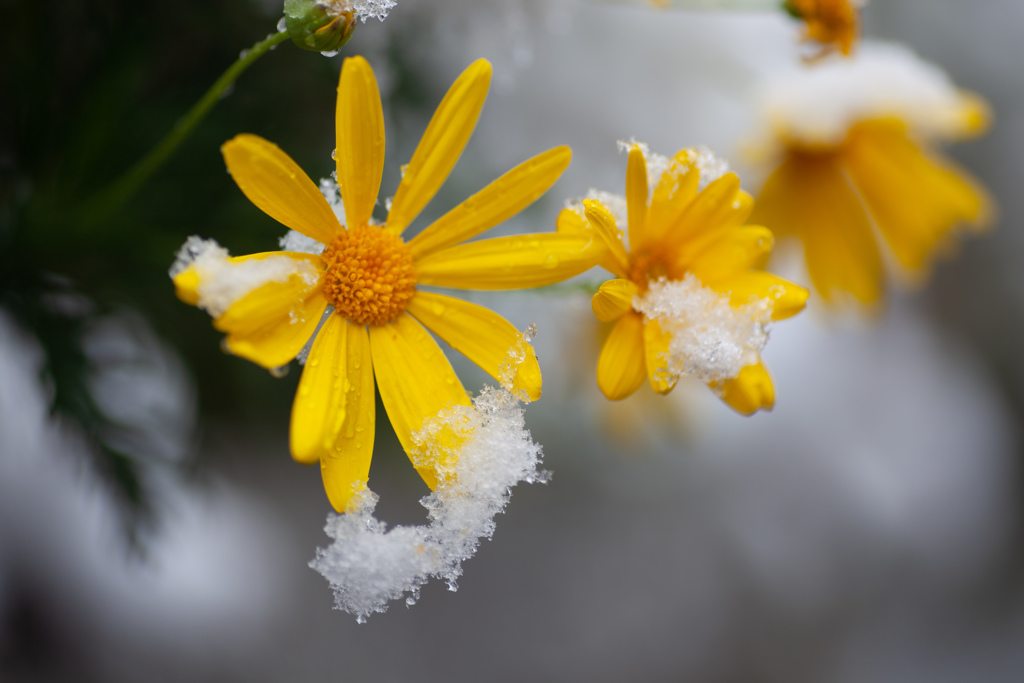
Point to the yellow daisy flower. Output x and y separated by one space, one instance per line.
688 297
853 143
834 24
370 277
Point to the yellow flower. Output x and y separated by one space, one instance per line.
853 142
831 23
687 249
370 276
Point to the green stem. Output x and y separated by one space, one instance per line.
563 288
110 199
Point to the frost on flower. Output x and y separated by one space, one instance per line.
222 281
711 339
817 106
296 241
710 165
369 565
372 9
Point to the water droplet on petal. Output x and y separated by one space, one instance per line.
279 372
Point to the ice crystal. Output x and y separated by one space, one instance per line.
372 9
711 339
369 565
223 282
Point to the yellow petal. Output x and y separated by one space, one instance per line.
416 382
713 209
482 336
186 286
188 281
749 391
332 416
278 187
676 188
613 299
809 196
499 201
915 200
271 324
734 251
278 340
346 467
787 298
441 144
636 198
570 221
621 368
359 129
604 225
741 210
515 262
656 343
271 300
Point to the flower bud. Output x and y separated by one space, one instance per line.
319 25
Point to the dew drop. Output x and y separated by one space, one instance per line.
279 372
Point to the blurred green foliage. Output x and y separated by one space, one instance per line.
87 87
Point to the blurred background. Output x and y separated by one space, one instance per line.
153 526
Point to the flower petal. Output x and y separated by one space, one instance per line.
187 282
416 382
499 201
359 125
271 300
346 467
621 368
515 262
656 343
676 188
333 413
734 251
787 298
571 221
441 144
482 336
915 200
279 187
604 225
636 198
271 324
748 392
809 196
613 299
711 210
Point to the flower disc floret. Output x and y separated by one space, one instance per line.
369 278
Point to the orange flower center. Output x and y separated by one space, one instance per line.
645 268
370 277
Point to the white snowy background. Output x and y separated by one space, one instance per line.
866 530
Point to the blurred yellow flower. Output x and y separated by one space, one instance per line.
370 276
831 23
689 297
852 139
